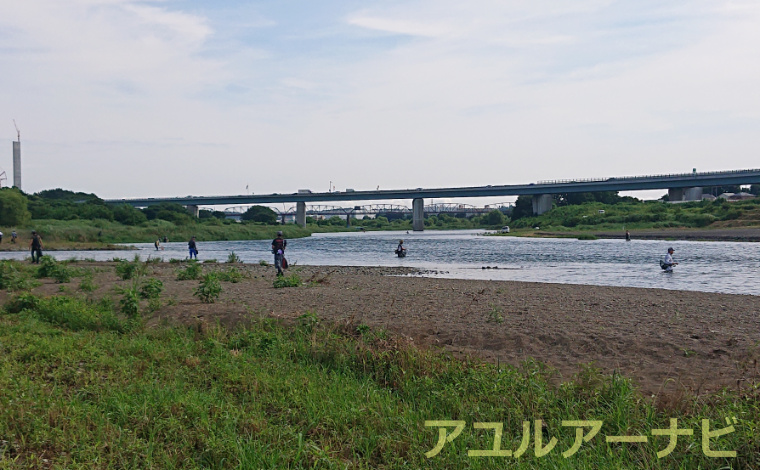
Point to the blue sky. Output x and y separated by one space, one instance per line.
160 98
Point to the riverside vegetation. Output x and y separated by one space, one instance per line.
88 382
69 220
617 213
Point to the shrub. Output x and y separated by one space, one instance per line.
151 288
233 258
62 274
87 284
209 288
49 267
191 272
23 301
126 270
233 275
70 312
130 302
287 281
13 277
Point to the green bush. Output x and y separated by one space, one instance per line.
126 270
233 258
70 312
209 288
14 277
130 302
191 272
151 288
87 284
23 301
49 267
287 281
232 274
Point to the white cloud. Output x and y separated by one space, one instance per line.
138 98
400 26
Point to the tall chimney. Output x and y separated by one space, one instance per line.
17 164
17 158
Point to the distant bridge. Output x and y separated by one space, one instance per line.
380 209
685 186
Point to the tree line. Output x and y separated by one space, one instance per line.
18 209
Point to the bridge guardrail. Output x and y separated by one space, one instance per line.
627 178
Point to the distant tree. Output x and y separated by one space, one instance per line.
572 199
260 214
93 211
13 207
66 195
159 211
495 218
207 214
128 215
523 207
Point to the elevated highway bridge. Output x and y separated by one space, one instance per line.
681 187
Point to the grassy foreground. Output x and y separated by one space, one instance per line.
93 394
83 385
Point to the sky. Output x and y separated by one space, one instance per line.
126 98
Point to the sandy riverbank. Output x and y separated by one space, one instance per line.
663 340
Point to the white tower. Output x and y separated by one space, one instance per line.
17 159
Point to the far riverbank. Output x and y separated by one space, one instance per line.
738 234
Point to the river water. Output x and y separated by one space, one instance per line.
728 267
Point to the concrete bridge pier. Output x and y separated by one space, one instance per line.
195 210
685 194
301 214
418 214
348 220
675 194
542 203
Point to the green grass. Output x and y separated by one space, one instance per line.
104 231
84 387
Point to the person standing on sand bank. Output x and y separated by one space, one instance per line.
14 236
36 245
627 236
157 243
278 249
192 248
